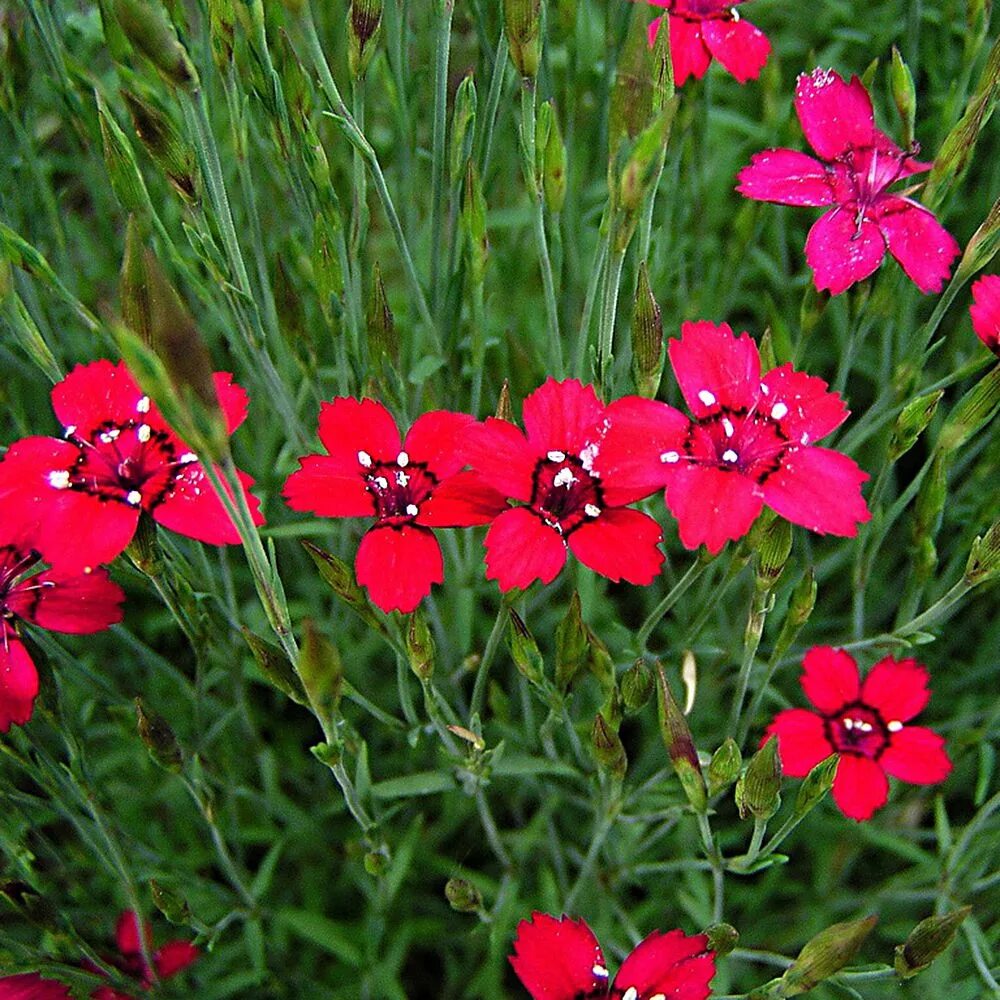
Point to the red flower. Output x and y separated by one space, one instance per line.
985 311
560 959
701 29
82 495
168 960
857 164
749 443
864 725
53 599
552 470
369 472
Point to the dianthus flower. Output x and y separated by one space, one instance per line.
560 959
552 472
985 311
369 472
168 960
864 724
857 164
52 599
701 29
83 494
749 442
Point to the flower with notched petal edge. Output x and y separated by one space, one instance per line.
857 164
864 724
985 311
368 472
560 959
703 29
551 471
82 495
53 599
748 443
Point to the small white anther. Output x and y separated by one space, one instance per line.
69 431
764 389
143 405
599 971
778 411
112 435
556 456
401 478
587 456
402 459
381 482
670 457
706 397
187 458
134 497
848 724
59 480
804 439
727 426
631 994
591 510
143 432
865 727
663 996
564 477
412 509
364 459
894 726
729 455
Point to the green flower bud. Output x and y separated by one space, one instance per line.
147 27
912 422
758 791
772 553
170 902
524 650
463 896
420 645
903 95
276 667
463 124
383 342
330 754
321 672
680 746
123 170
642 164
637 686
474 223
984 558
523 20
608 749
572 645
929 939
982 248
339 577
376 863
164 143
722 939
648 350
601 664
159 738
800 608
221 31
631 108
364 20
826 954
816 784
553 163
504 410
724 767
974 410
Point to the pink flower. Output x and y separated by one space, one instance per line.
82 494
560 959
749 443
864 725
369 472
563 501
985 311
701 29
857 164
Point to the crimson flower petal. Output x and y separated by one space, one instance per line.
841 251
558 959
437 438
349 426
18 680
786 177
127 934
830 678
79 604
712 505
397 564
192 508
923 247
688 53
233 400
621 544
802 741
95 393
802 404
738 45
670 964
859 787
715 369
896 689
461 501
498 451
323 487
173 957
834 114
561 416
917 755
31 986
820 489
985 310
520 549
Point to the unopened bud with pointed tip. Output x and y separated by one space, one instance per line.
159 738
800 608
774 547
903 95
463 125
676 735
147 27
275 666
420 645
724 767
383 343
816 784
608 749
722 938
463 896
119 159
600 662
648 350
339 577
164 143
984 558
974 410
553 162
322 673
504 410
929 939
169 902
364 20
912 422
474 223
637 686
572 646
631 105
523 21
758 791
825 955
523 649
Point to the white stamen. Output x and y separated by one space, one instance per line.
59 480
187 458
804 439
401 478
381 482
727 426
364 459
591 510
143 432
631 994
600 971
663 996
134 497
412 509
848 724
865 727
402 459
764 389
69 431
729 455
894 726
556 456
564 477
708 399
670 457
143 405
778 411
108 436
587 456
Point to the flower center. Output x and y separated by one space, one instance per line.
565 494
858 729
14 564
398 488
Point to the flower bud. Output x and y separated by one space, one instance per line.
420 646
328 279
984 557
463 896
463 124
339 577
504 410
663 72
800 607
642 164
631 108
572 647
601 664
816 784
146 26
903 95
376 863
768 361
608 749
474 223
159 738
680 746
982 248
974 410
773 550
276 667
722 938
929 939
164 143
123 170
648 349
330 754
169 902
221 31
637 686
524 650
383 343
826 954
724 767
912 422
523 20
553 162
364 20
321 672
758 791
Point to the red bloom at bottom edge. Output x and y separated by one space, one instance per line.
560 959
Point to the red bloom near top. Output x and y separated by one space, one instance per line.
748 443
864 724
857 165
53 599
552 471
701 29
369 471
82 495
560 959
985 311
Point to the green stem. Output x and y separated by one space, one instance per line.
751 641
489 653
606 334
438 135
676 592
593 282
493 105
603 829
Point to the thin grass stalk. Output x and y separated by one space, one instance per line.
446 9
